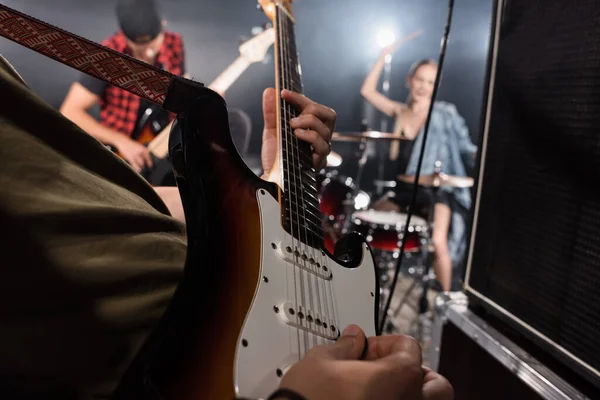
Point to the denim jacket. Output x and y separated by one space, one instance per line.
448 141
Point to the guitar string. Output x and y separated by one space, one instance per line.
314 251
323 285
284 75
292 194
327 288
285 145
329 298
294 146
323 262
292 63
300 314
300 186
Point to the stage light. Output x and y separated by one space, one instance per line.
362 201
334 159
385 37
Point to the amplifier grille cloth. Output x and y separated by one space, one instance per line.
537 246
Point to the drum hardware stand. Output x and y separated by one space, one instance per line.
349 205
392 325
428 277
424 280
387 72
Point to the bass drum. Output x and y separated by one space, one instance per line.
337 203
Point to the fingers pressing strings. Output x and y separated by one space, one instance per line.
314 125
309 107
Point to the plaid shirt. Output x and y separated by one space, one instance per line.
119 108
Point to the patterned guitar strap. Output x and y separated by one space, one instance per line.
172 92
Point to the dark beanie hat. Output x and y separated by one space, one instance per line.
139 19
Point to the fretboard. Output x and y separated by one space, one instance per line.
300 208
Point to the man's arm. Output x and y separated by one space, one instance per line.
75 107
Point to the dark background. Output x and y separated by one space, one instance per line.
337 41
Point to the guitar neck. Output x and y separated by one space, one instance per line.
231 74
300 204
159 146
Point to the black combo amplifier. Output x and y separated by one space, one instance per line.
534 258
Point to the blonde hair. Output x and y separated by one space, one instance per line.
419 63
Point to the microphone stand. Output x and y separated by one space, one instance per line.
387 71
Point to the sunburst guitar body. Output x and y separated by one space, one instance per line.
260 289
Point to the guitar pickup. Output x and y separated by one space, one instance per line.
301 318
305 261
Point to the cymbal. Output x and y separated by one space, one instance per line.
334 159
358 136
385 184
439 180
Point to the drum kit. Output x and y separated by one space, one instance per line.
346 207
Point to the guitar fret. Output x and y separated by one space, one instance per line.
298 227
304 213
308 202
304 161
312 210
305 175
305 182
299 161
311 186
311 239
311 196
291 82
300 185
298 223
307 187
293 85
315 235
313 225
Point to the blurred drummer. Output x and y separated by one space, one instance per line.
448 142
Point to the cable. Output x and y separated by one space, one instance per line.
421 155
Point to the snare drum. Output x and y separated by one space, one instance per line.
384 230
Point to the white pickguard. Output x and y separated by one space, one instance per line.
271 339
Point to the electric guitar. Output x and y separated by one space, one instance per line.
260 289
153 128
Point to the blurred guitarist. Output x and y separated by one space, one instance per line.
142 36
